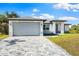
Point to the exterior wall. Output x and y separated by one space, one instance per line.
54 28
50 28
66 28
46 31
11 27
62 27
41 28
59 27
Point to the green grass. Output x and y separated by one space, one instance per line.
2 36
70 42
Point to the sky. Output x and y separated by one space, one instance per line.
57 11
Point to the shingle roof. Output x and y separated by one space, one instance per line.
30 18
58 20
67 24
27 19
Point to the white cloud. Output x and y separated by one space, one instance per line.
74 10
68 18
42 17
21 12
61 6
35 10
47 16
33 14
68 7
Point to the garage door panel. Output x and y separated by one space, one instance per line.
26 28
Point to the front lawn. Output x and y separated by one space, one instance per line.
2 36
70 42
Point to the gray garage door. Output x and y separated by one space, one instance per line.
26 28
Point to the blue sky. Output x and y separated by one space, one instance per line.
69 12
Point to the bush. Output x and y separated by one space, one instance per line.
4 28
66 31
74 29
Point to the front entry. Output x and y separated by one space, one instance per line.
58 28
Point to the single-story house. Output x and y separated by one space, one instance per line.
34 26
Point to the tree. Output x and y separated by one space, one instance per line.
4 21
77 28
4 28
2 18
74 29
11 15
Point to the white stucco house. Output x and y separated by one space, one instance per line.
35 26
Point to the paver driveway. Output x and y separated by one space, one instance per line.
30 46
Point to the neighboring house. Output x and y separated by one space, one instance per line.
34 26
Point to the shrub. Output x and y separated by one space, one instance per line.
74 29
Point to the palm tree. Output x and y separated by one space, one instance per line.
2 18
11 15
4 21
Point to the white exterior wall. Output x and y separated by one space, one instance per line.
54 27
41 28
66 28
50 28
59 26
62 27
11 27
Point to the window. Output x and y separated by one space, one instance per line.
46 26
